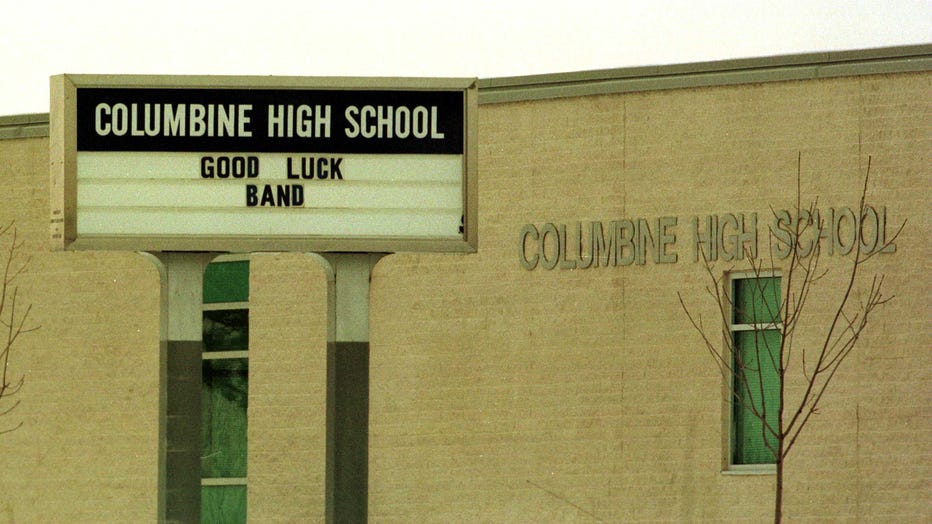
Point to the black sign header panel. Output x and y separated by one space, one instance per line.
270 120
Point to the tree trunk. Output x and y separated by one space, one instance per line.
778 496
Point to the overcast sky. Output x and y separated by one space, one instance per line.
467 38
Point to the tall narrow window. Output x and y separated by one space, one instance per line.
755 328
224 392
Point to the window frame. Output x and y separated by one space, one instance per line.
227 355
729 433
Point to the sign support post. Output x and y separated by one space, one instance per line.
348 385
182 276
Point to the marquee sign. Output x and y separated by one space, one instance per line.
263 163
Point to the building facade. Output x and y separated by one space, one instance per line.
553 375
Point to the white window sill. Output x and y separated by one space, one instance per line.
225 481
750 469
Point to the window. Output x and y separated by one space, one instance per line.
756 333
224 391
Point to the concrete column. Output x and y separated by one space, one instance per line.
180 391
348 386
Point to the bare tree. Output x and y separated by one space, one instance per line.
814 361
13 319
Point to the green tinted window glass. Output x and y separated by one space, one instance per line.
224 393
226 330
759 353
757 300
226 282
223 504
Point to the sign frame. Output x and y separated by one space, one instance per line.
63 132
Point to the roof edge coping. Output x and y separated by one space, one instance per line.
24 126
703 74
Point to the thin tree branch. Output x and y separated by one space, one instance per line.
13 321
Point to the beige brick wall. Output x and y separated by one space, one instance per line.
88 447
287 389
500 394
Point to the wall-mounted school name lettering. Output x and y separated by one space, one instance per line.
270 120
727 237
